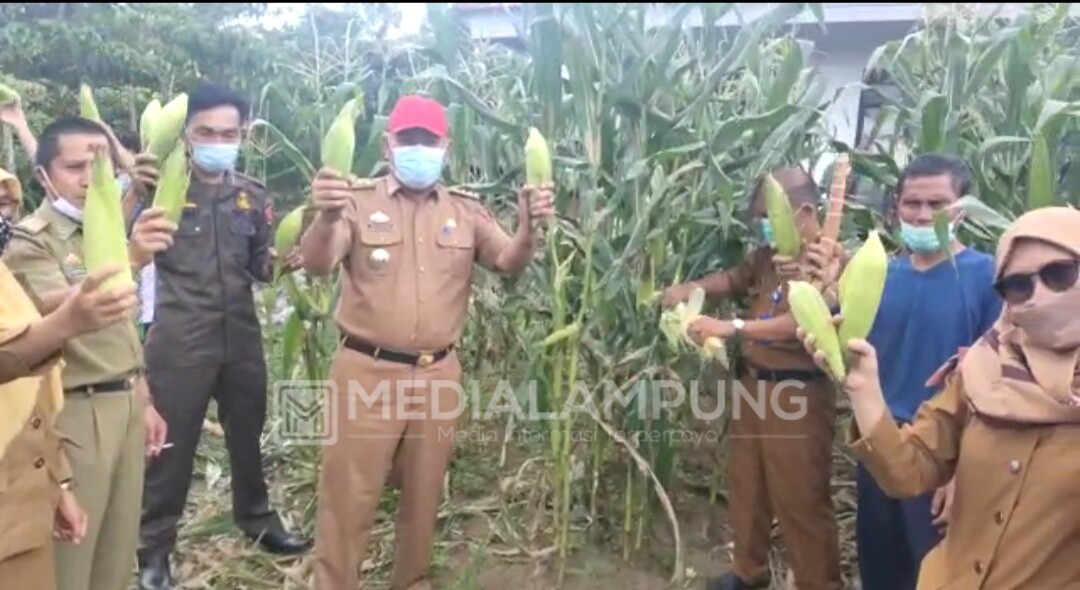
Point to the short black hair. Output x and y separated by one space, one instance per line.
929 165
208 96
49 139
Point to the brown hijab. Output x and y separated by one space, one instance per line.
1006 375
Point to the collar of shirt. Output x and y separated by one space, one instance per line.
65 226
393 187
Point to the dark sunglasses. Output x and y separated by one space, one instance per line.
1057 276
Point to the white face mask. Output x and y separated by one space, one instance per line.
67 209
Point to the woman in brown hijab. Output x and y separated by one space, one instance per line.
1006 424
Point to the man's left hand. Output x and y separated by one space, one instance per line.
69 523
293 261
705 327
535 204
150 234
145 175
157 431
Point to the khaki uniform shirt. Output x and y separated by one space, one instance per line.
407 277
204 308
33 464
1014 520
46 256
756 279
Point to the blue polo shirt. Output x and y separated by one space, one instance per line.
924 317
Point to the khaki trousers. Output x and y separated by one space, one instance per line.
387 416
32 569
108 472
780 463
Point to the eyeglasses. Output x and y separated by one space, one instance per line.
1057 276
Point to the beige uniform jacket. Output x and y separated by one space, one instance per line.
408 276
33 463
1015 520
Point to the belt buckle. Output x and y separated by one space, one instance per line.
425 359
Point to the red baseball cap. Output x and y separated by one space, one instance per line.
415 111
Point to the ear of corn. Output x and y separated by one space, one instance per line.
7 95
288 232
339 143
537 159
87 107
782 218
166 127
146 122
172 187
104 235
813 316
865 277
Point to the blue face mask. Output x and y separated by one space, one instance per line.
766 231
215 157
418 166
923 240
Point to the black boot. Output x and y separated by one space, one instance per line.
154 570
281 542
730 581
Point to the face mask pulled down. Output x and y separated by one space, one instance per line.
418 166
1054 324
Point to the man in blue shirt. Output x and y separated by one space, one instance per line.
930 309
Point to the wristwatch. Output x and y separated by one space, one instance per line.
738 324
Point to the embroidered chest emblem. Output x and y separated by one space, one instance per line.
73 268
243 203
380 222
448 226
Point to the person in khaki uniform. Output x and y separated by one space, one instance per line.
407 246
106 408
35 475
779 460
1005 428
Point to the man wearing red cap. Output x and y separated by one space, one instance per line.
407 246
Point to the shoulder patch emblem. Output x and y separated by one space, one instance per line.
458 192
362 183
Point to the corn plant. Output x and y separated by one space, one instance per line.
1003 94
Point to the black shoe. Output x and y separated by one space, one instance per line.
154 570
730 581
282 543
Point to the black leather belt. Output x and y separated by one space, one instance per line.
407 358
776 376
104 387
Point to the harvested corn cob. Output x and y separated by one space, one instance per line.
172 188
864 278
537 159
87 108
339 143
7 95
166 127
288 232
146 121
675 324
813 316
782 218
104 235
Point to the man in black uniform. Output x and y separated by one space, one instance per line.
205 341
